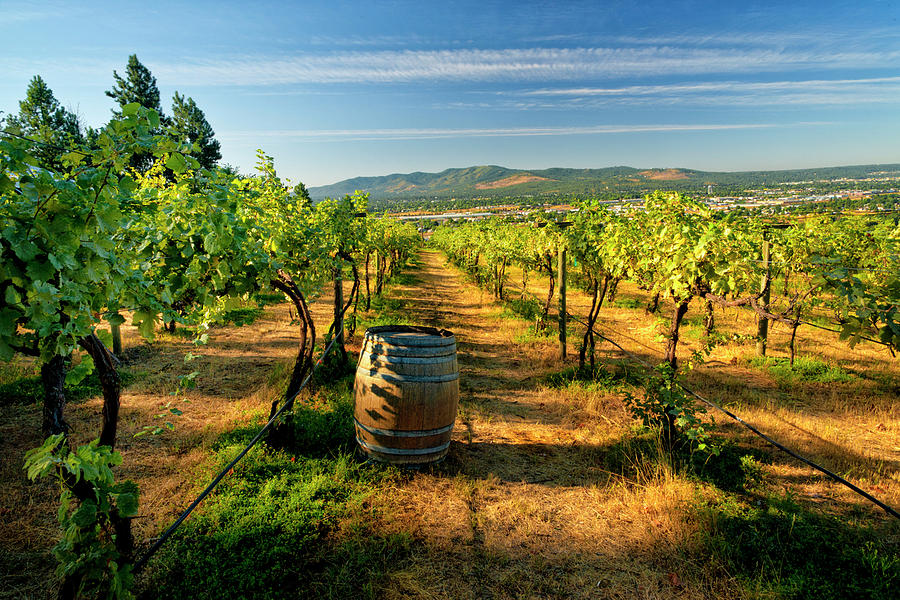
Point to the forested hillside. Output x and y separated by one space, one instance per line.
607 183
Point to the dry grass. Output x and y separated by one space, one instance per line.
541 495
240 372
528 464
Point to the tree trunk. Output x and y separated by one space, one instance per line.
368 289
709 320
670 431
354 295
546 311
303 363
380 268
672 344
111 384
588 334
653 306
762 323
561 276
337 326
613 289
794 332
599 295
339 316
104 363
53 378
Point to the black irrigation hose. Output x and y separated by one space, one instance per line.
778 445
142 561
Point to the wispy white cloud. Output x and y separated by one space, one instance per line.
785 38
718 87
21 12
510 65
481 66
875 90
437 133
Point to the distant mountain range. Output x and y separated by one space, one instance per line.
493 181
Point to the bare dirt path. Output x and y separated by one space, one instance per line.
523 506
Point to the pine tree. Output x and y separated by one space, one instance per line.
302 194
189 125
43 119
138 85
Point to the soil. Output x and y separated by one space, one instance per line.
510 181
664 174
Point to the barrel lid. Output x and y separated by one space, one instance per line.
411 335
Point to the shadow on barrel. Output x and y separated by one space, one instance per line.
406 394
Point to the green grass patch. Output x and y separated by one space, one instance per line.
263 299
600 378
627 303
30 390
640 455
18 368
241 316
777 549
288 522
805 369
384 311
526 307
732 468
535 334
405 278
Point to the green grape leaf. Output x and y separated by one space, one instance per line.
12 296
86 515
115 318
76 374
127 503
8 318
145 322
177 163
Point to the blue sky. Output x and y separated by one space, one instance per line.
340 89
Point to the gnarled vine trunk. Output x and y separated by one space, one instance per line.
53 378
598 295
368 289
303 363
672 344
546 311
709 320
111 384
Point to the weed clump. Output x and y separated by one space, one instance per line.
805 369
526 307
599 377
241 316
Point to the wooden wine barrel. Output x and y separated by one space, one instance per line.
406 393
